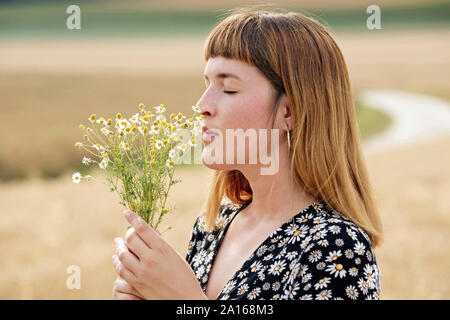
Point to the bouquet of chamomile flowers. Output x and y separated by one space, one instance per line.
139 155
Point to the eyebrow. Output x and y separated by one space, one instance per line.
224 75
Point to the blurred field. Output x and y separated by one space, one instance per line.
51 83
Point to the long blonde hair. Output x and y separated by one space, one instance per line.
301 59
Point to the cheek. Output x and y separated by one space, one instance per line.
253 112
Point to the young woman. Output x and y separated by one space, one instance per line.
307 231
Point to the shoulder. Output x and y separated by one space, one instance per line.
339 258
330 228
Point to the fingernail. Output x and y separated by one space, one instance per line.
127 213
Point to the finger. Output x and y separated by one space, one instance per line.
144 231
122 286
123 271
125 256
117 295
136 244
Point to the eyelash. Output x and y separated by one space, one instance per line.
226 92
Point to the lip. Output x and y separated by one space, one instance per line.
209 131
208 135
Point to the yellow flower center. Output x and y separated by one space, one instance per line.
339 267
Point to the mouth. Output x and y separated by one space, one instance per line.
208 135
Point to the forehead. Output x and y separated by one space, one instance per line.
220 65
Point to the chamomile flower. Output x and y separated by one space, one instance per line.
196 109
170 163
92 118
192 142
172 154
78 145
86 161
143 120
102 121
135 118
76 177
143 130
161 108
155 129
159 144
103 164
125 146
98 147
105 131
122 123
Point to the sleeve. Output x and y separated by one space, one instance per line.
192 247
339 266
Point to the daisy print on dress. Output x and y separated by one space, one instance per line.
316 254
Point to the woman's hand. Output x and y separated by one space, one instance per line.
151 266
123 291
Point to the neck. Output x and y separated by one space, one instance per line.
275 196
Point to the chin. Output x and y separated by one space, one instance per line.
208 162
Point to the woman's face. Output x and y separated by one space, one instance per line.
237 96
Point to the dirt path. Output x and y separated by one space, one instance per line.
416 118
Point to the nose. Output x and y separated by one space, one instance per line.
207 108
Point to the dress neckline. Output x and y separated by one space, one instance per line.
222 233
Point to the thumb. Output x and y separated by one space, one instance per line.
158 232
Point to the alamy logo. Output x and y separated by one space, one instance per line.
223 149
74 20
374 20
74 280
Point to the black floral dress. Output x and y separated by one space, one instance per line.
317 254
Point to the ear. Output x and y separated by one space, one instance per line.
286 113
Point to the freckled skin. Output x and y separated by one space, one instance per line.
250 107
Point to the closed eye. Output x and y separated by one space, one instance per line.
229 92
